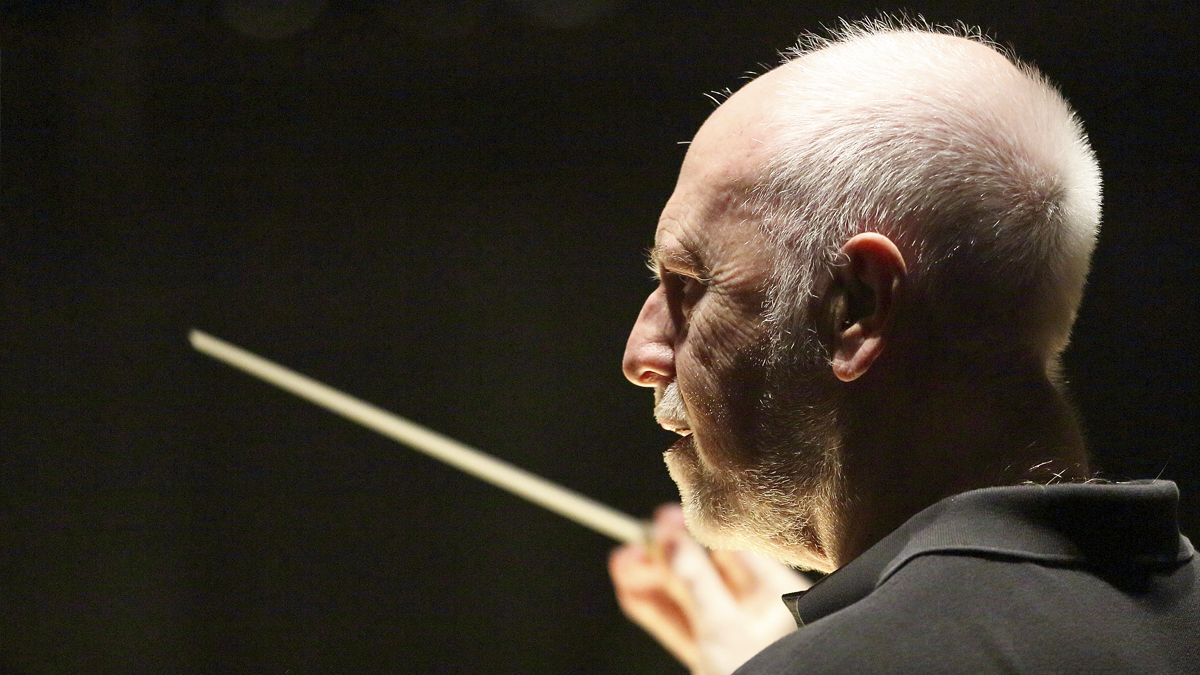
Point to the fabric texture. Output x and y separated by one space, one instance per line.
1069 578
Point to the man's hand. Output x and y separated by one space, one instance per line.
711 610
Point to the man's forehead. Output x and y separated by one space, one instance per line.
723 164
675 240
738 130
727 157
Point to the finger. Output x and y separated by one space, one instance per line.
634 569
668 528
670 516
640 585
659 616
667 536
702 584
740 578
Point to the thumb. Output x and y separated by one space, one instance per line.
705 586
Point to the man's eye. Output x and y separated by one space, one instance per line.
684 290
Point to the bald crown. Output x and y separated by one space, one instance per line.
975 166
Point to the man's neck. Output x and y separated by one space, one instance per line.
917 436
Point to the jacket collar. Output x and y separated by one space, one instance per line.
1100 525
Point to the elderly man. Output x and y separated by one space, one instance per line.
867 272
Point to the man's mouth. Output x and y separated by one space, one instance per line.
671 426
685 446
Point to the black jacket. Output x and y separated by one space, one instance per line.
1068 578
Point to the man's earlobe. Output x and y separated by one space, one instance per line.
869 284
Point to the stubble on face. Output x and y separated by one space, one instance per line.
773 487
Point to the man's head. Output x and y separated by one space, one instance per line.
891 187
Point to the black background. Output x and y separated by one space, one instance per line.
439 207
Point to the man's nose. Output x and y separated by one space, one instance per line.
650 352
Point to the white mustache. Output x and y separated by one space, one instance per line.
669 410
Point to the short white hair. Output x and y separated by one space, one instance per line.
976 167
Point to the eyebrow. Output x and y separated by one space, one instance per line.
659 258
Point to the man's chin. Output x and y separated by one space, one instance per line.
696 491
683 465
682 460
729 514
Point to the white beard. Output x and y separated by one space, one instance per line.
781 505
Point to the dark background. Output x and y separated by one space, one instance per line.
439 207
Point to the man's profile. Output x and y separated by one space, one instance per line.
868 270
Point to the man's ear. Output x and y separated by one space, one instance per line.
869 284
